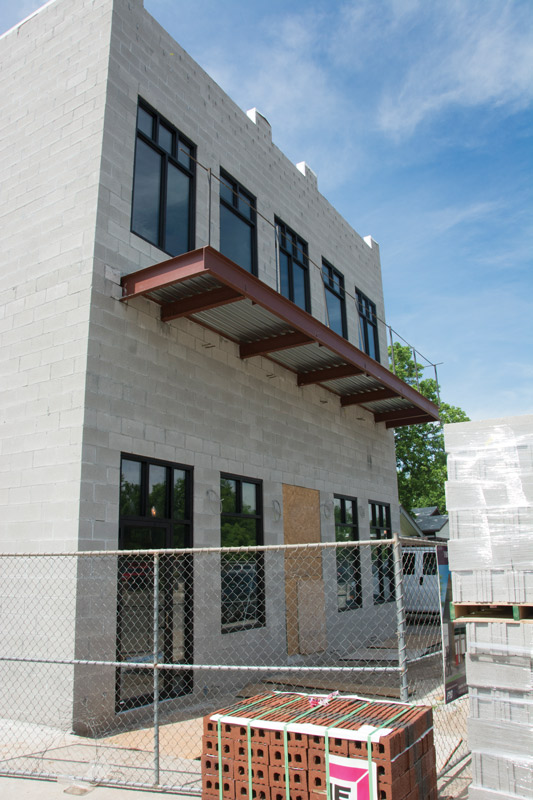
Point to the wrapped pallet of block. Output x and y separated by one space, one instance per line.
490 502
287 746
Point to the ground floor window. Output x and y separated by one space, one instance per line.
349 591
382 557
155 514
242 574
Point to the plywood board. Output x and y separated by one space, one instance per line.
311 617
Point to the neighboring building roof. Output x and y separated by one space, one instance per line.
429 520
408 525
428 511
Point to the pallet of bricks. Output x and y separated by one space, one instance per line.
490 501
285 746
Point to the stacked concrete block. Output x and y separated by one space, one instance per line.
275 738
490 499
489 496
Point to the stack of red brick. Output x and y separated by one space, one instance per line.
252 733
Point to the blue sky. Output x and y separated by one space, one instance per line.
417 118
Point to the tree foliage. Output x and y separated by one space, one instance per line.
420 454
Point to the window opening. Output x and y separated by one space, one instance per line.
238 237
242 574
163 184
349 589
335 298
368 325
155 514
293 266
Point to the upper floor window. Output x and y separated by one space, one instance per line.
349 589
368 325
293 266
237 223
242 573
163 184
335 301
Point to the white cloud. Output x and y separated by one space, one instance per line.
472 54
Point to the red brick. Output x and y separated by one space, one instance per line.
296 756
210 787
259 772
259 791
297 778
259 752
210 766
210 746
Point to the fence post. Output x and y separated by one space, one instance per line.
401 623
156 669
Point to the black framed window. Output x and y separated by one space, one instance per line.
163 184
335 298
368 325
349 589
293 266
155 514
238 237
382 557
242 574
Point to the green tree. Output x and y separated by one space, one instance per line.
420 454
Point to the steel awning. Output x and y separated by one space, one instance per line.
213 291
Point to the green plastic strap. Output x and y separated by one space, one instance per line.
326 742
249 734
369 747
286 745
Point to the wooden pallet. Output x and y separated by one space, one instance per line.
491 612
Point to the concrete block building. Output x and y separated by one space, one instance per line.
191 347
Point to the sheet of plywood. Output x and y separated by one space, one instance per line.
301 525
311 616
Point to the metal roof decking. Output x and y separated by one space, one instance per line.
213 291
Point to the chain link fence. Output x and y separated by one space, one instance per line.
109 661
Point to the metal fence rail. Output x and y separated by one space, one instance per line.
110 660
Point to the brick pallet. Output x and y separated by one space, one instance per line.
369 749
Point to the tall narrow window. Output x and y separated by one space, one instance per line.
237 223
242 574
335 300
293 266
382 557
368 325
349 592
155 514
163 184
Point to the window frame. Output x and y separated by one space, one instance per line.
256 558
284 234
329 273
367 317
238 191
354 552
167 158
379 518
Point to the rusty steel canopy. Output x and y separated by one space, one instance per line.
213 291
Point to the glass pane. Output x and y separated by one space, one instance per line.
337 506
349 593
429 564
177 216
246 205
166 138
284 275
146 192
249 498
241 592
343 533
157 491
180 510
299 275
238 532
185 155
236 238
228 495
130 489
226 191
350 512
409 563
145 122
180 536
335 316
372 344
